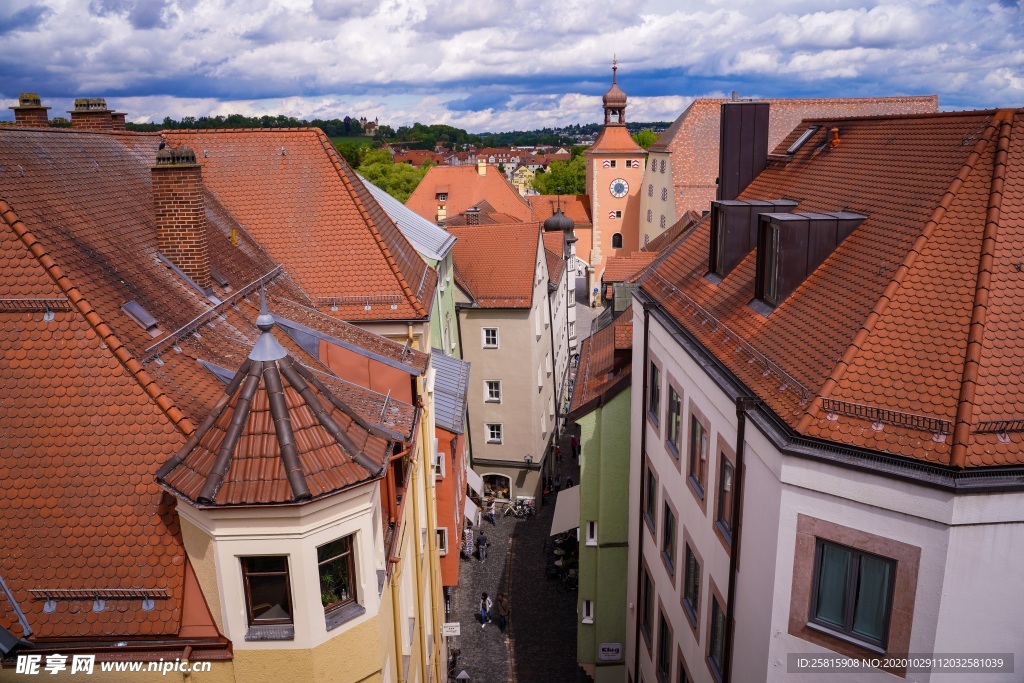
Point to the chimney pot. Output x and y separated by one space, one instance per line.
30 112
834 139
735 95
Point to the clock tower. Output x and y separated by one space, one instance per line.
615 169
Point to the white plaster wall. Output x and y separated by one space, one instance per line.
654 203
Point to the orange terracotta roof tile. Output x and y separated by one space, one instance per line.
615 138
466 188
687 221
298 198
604 365
575 206
623 268
497 263
906 333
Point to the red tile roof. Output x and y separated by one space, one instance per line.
914 320
622 268
575 206
614 138
467 188
604 370
292 191
687 221
553 249
693 138
497 264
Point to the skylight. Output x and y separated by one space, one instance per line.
140 315
804 137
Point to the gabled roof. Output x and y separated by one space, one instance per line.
553 248
907 339
299 199
83 435
602 373
451 385
693 138
575 206
428 239
497 264
465 188
622 268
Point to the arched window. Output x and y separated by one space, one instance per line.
617 241
664 193
662 221
497 486
649 215
650 190
662 167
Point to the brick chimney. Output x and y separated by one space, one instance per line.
481 166
180 215
91 113
30 113
117 119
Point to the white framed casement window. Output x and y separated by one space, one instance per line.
547 364
442 540
490 335
591 532
588 611
438 461
493 431
492 391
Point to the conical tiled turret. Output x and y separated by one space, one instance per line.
277 435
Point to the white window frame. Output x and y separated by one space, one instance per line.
489 432
591 532
588 611
483 333
488 396
442 540
547 363
439 469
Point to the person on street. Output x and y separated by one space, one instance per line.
481 545
504 611
568 481
576 448
485 610
558 482
489 511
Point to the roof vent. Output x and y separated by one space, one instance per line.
833 140
134 310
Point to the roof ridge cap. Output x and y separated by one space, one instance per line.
332 154
979 314
102 330
883 301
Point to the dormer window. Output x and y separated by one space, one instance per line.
442 196
734 225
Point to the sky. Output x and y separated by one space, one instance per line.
494 66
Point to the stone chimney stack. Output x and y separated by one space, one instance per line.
180 214
481 166
91 113
30 113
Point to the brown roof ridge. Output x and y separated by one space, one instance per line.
88 131
921 115
882 304
979 314
335 158
103 331
191 131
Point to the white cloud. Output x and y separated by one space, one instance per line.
406 58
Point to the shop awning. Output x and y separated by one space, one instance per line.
567 510
475 481
471 510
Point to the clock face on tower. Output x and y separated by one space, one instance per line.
619 188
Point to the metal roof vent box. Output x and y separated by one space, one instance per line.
734 231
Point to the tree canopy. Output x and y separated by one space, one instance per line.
645 138
563 177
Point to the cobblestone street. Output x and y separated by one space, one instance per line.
540 646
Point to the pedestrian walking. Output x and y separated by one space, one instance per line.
558 482
481 545
485 610
558 454
576 448
504 611
568 481
489 512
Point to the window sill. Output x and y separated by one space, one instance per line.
588 620
671 449
270 632
669 565
343 614
650 523
724 534
592 542
846 638
691 615
716 672
695 486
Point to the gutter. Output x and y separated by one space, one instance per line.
743 404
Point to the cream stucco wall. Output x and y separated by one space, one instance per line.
967 598
653 209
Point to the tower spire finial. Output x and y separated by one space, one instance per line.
615 67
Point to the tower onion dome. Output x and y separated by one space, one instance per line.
558 221
614 98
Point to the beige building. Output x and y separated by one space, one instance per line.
505 320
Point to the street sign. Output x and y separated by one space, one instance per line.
451 628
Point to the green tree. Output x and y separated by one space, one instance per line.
501 168
645 138
565 177
398 180
577 150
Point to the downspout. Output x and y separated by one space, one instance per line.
396 613
743 404
643 467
